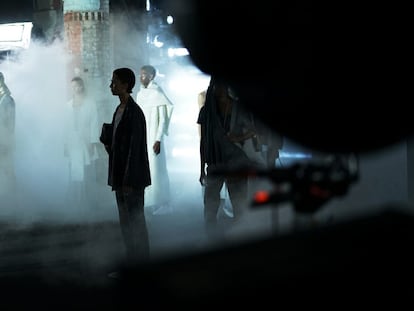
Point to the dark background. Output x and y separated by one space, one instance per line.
328 68
16 11
358 102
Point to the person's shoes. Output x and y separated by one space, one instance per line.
114 275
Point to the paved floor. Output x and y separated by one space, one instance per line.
62 265
57 265
65 266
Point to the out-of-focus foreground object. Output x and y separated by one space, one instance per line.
315 72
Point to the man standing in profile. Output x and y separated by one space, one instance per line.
128 167
7 139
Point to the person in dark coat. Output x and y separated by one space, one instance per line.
224 127
128 166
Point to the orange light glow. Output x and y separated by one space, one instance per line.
261 197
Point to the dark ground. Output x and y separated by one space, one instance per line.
58 267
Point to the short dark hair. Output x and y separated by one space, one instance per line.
126 75
150 69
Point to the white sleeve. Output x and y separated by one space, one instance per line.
162 117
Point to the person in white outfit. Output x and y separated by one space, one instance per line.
157 109
81 141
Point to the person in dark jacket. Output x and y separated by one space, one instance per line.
224 127
128 167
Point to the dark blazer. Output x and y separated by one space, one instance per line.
128 155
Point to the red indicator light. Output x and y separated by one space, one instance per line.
261 197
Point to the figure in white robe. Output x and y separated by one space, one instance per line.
157 109
81 140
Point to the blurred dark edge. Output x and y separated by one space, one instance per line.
329 75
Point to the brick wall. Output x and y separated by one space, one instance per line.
87 37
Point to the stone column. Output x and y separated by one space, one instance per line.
88 41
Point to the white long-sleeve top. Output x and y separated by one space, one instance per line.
82 130
157 109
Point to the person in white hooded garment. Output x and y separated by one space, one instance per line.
157 109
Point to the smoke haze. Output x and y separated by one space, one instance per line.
38 80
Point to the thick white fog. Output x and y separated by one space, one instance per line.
38 81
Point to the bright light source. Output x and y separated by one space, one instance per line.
177 52
158 43
170 19
15 35
181 83
294 155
